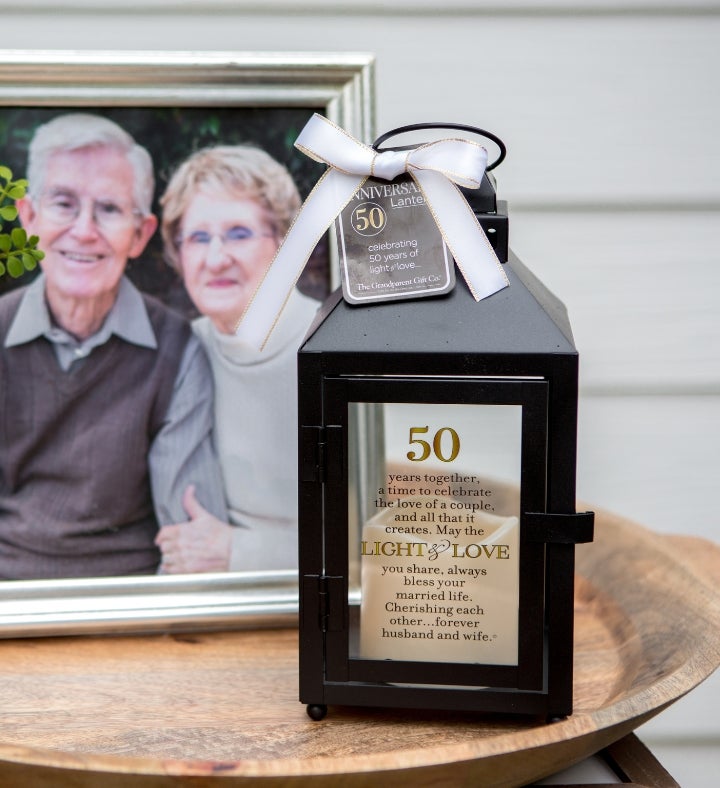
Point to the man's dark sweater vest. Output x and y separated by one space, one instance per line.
75 496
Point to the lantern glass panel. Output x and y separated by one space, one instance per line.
433 531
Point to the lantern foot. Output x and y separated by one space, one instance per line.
316 711
555 718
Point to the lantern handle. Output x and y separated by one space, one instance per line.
457 126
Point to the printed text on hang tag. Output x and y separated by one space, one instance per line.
390 247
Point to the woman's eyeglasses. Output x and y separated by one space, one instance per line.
235 236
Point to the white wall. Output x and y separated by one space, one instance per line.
611 115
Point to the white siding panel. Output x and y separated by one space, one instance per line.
642 289
600 109
655 460
378 7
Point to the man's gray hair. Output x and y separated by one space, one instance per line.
79 130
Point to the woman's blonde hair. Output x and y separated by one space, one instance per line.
241 171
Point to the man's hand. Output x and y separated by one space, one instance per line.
202 544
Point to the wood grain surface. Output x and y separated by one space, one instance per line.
222 708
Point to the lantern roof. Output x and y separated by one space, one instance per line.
522 318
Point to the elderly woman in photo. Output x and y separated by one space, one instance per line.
225 211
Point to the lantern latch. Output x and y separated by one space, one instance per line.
549 528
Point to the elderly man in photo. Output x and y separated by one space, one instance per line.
106 408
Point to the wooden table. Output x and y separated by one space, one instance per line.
222 708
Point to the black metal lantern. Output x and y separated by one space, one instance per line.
437 521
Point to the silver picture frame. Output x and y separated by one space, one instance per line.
337 85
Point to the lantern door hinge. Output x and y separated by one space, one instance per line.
312 454
551 528
331 603
321 453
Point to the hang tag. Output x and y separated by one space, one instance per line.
390 247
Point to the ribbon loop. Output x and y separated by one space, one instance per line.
329 144
461 161
436 167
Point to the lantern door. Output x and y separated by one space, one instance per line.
432 589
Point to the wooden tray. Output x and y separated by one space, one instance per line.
222 708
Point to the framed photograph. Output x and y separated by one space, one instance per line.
191 112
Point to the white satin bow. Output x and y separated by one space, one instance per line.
436 167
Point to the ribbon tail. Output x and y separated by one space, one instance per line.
462 233
330 195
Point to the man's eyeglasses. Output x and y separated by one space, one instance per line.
64 208
239 236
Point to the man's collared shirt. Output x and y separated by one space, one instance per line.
182 452
127 319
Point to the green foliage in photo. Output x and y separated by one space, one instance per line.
18 251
